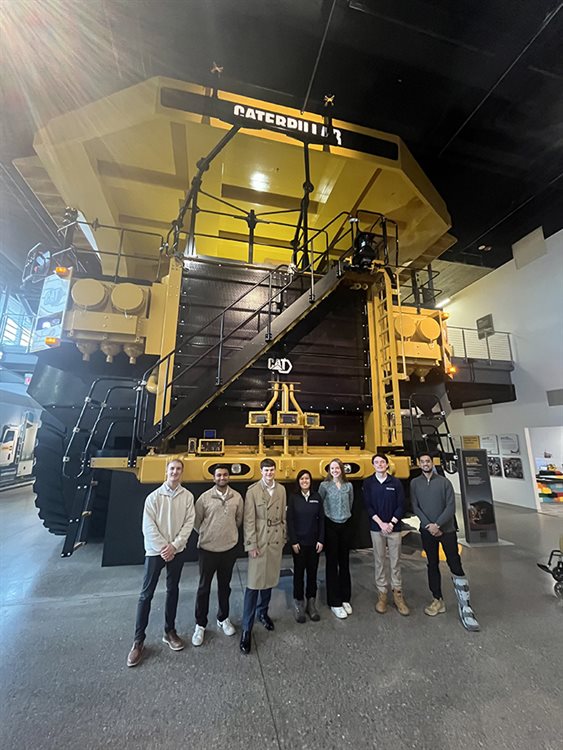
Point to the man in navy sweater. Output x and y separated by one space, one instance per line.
384 499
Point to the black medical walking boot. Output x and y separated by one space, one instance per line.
245 641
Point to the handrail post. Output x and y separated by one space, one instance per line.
164 392
269 324
220 351
464 344
119 251
252 221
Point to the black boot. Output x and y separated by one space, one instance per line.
312 610
266 621
245 641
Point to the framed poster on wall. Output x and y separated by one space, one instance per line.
512 468
490 444
495 468
470 442
509 444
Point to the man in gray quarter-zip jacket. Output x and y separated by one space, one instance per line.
218 517
433 501
168 520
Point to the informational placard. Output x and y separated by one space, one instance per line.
470 442
513 468
477 496
489 443
509 444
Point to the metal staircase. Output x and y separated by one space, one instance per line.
230 353
426 428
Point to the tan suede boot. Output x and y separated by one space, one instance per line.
381 603
400 603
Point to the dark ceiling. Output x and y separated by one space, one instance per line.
474 89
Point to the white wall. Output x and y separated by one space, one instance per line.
528 303
550 440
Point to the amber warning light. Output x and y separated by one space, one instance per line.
62 271
52 341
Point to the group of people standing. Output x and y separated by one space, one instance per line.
313 522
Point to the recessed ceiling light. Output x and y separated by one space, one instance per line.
485 248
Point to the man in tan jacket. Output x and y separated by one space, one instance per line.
264 538
168 520
218 516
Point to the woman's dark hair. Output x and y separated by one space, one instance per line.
302 474
339 462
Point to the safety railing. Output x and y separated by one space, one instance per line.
465 343
141 264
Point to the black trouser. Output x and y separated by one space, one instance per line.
210 563
307 559
337 551
153 568
431 545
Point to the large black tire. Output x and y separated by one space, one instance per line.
54 492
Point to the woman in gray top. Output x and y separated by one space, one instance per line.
338 495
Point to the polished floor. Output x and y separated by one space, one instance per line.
371 681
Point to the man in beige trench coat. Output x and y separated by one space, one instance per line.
264 538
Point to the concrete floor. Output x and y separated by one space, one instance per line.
370 681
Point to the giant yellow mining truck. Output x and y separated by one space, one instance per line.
287 311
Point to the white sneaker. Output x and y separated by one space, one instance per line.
197 637
226 626
339 612
347 607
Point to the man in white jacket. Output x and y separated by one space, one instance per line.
168 520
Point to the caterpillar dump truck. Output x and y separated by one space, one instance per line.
280 314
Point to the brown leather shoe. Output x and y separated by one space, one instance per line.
136 654
173 640
381 603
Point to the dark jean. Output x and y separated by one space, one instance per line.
337 551
153 567
256 602
431 546
305 561
210 563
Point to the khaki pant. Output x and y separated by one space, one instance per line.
391 542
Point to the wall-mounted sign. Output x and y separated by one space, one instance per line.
470 442
509 444
489 443
485 326
513 468
477 497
